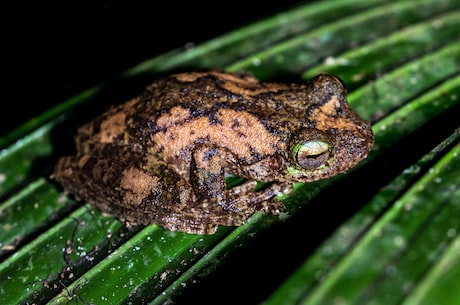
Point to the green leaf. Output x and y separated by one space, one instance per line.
380 254
400 62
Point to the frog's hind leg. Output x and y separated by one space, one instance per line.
139 188
136 187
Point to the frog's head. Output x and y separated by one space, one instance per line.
333 139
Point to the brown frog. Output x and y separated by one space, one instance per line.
163 156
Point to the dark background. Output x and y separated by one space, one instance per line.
54 51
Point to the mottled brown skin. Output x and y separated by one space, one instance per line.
162 157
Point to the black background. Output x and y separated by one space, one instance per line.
53 51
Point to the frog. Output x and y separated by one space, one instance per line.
163 156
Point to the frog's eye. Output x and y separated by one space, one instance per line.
312 154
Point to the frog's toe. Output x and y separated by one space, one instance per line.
271 206
200 222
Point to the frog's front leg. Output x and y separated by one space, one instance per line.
207 176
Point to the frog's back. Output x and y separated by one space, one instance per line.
181 98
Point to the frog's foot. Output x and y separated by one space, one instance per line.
243 199
201 220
